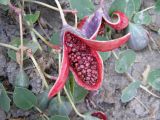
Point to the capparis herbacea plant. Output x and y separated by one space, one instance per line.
79 49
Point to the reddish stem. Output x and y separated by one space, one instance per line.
71 11
15 9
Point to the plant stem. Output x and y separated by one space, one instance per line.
7 92
142 104
9 46
45 41
152 7
44 31
72 103
51 7
59 93
50 76
18 11
38 68
39 110
148 91
35 40
64 22
33 35
59 97
132 80
21 38
75 25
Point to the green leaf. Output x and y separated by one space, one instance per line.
142 18
129 7
77 92
130 92
58 117
4 99
56 108
32 18
101 38
154 79
84 7
139 37
4 2
157 6
22 79
16 42
42 100
32 45
70 83
55 39
24 98
105 55
126 59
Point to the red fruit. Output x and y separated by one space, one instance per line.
83 60
100 115
81 56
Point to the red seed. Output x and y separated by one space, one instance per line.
89 70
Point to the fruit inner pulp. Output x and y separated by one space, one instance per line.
81 59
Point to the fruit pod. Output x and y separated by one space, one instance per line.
80 54
139 38
99 115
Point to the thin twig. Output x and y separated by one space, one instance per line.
148 8
50 76
59 93
51 7
75 25
142 104
45 41
33 35
7 92
39 110
44 31
74 107
154 42
148 91
29 53
9 46
35 40
64 22
21 38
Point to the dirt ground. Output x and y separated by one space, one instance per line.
107 99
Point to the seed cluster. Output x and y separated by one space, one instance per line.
81 59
